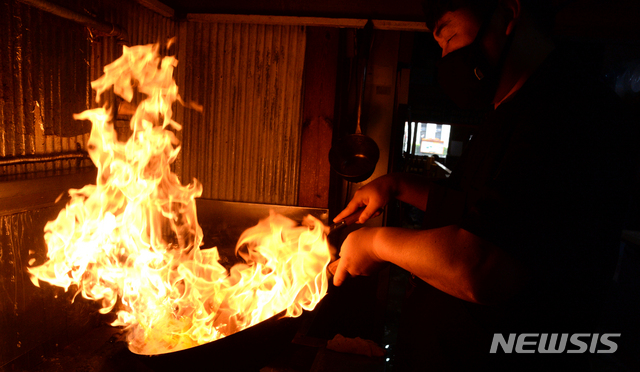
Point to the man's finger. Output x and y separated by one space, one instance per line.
348 211
367 213
333 266
341 274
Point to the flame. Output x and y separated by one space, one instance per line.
132 240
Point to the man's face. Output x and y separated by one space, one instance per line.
455 30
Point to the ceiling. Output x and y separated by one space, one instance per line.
406 10
600 19
608 19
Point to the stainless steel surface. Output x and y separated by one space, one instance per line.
245 146
444 168
32 318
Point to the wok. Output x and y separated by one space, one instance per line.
256 346
247 350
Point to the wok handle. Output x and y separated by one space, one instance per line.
347 221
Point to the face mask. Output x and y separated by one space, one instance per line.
466 75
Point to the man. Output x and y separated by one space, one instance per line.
540 195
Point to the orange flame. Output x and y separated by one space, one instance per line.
132 240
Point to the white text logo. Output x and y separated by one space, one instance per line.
546 343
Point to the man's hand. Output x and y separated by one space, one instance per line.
406 187
358 256
373 196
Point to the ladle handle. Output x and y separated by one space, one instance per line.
369 31
364 78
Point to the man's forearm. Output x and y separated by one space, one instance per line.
452 260
410 188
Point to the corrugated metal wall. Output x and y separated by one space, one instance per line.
143 27
245 145
44 77
46 66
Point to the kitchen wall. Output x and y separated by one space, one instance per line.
245 145
44 79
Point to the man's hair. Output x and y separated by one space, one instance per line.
542 11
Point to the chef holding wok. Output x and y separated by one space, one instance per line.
524 247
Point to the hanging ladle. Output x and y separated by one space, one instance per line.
355 156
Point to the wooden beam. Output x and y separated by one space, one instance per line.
158 7
278 20
321 65
382 24
378 24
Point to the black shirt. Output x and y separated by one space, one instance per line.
546 178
